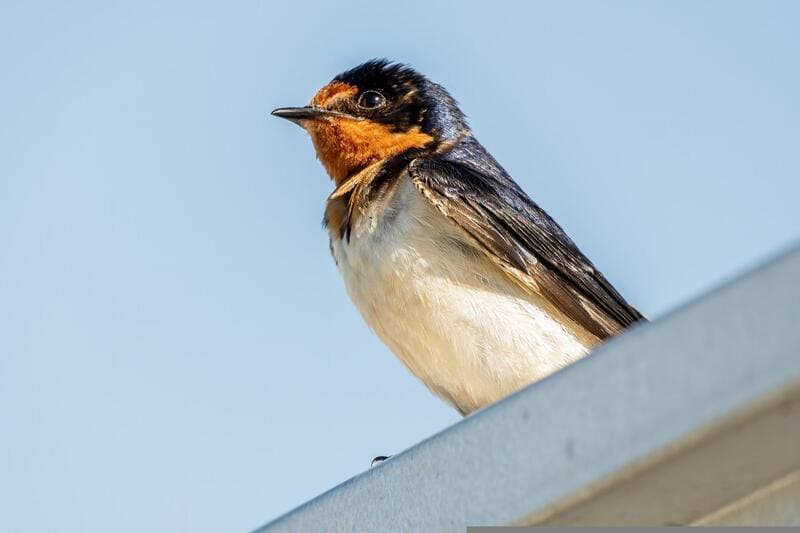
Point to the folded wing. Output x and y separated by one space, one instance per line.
521 239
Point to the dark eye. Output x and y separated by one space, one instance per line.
371 99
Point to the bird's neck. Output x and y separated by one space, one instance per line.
346 147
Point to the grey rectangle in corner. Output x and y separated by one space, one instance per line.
590 529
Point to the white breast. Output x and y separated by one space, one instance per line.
471 335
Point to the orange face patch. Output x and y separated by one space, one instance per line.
346 145
334 89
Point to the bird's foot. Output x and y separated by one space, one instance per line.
378 460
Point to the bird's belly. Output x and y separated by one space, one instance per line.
448 313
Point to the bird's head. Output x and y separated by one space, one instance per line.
374 112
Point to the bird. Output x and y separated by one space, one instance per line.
472 285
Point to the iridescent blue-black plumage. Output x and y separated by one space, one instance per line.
476 193
412 99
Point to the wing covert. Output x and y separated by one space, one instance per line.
522 239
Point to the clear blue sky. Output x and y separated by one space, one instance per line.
177 352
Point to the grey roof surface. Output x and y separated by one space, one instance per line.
694 418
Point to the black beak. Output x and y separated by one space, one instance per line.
296 114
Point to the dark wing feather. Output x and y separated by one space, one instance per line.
468 186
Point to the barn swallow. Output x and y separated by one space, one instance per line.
469 282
